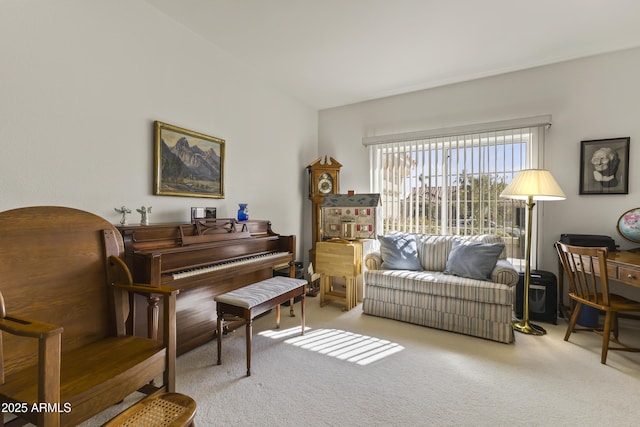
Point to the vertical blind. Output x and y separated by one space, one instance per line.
449 181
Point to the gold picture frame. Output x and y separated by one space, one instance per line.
187 163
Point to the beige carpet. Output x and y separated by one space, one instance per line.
351 369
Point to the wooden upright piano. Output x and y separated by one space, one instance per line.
201 260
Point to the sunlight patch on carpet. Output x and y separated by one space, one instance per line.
343 345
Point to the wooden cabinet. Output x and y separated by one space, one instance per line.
340 259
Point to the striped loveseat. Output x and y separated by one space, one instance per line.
429 297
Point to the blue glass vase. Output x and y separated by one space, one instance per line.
243 212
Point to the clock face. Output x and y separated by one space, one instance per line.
325 184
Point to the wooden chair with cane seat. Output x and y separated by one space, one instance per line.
586 269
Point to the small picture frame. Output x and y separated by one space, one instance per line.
198 213
604 166
210 213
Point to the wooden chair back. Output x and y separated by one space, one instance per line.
53 269
586 269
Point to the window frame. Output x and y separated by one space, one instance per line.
390 153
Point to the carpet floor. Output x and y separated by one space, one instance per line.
351 369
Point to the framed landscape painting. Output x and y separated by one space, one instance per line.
187 163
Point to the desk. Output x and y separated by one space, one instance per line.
622 266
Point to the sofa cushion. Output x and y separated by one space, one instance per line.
433 250
473 260
488 238
399 251
406 283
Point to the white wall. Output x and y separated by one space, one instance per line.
81 83
592 98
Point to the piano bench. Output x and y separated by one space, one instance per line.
253 300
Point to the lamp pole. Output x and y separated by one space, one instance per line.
524 326
530 184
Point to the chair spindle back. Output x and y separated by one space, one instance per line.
586 269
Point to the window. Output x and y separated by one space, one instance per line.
449 181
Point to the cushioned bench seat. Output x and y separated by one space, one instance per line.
252 300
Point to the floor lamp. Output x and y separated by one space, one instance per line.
531 185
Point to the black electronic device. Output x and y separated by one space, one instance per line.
543 296
591 240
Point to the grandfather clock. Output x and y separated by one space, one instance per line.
323 180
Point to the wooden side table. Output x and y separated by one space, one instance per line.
339 258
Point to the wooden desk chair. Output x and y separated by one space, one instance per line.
586 269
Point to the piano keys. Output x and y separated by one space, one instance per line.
203 260
246 262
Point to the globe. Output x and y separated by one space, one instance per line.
629 225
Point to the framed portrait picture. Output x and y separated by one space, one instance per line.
187 163
604 166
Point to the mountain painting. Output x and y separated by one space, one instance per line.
188 163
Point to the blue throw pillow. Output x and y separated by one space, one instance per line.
473 260
399 252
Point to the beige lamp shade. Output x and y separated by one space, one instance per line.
537 183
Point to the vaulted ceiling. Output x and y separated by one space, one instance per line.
328 53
